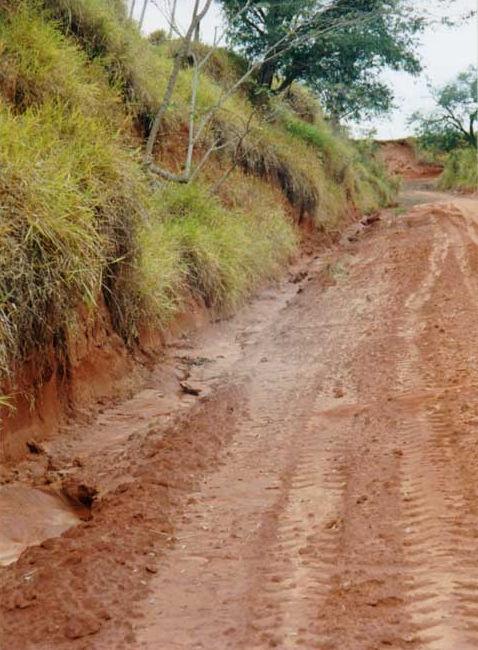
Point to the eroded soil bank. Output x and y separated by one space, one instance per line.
312 484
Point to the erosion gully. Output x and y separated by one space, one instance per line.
303 475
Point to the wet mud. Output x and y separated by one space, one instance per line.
315 486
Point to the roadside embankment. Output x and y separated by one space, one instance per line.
95 253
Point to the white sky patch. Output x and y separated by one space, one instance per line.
445 52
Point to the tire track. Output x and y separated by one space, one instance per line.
434 507
302 553
358 529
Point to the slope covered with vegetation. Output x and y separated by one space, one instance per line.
461 170
447 134
82 219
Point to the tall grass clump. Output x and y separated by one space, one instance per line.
133 65
373 186
349 173
38 64
71 199
460 171
303 103
219 255
334 152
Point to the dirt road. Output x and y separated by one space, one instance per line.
319 491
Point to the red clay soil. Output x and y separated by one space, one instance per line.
313 484
93 363
400 158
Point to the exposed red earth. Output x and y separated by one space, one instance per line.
303 475
400 157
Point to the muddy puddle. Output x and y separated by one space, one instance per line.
28 517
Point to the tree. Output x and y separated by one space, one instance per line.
452 123
345 66
197 125
338 47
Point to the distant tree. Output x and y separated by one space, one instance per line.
338 47
452 123
345 66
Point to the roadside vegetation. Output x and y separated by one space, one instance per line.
84 221
461 170
448 134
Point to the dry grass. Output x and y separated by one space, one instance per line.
81 218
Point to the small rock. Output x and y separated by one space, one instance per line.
79 492
371 218
188 389
150 568
339 392
34 447
298 277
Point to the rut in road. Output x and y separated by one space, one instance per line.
338 508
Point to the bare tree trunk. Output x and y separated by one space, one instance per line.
266 74
131 9
173 19
143 11
180 56
472 133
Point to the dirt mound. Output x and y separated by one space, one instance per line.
400 158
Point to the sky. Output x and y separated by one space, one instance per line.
444 51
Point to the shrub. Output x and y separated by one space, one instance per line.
461 170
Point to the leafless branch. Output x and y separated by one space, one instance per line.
183 51
218 184
216 146
143 12
195 133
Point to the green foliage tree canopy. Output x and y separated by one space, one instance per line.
453 120
338 47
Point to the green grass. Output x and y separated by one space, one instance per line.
373 186
461 171
81 220
302 102
142 69
335 153
349 173
71 196
218 255
38 64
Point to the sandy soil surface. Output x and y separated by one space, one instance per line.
312 484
